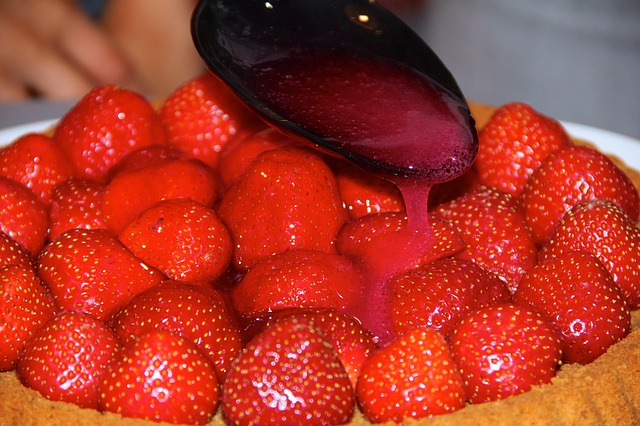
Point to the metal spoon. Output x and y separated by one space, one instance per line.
346 75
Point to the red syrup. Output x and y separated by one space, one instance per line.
389 119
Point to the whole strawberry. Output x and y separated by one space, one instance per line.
25 306
494 231
515 141
412 377
298 279
441 293
202 116
287 199
103 127
23 217
606 231
568 177
504 350
182 238
580 299
92 272
352 343
161 377
197 313
288 374
66 359
35 161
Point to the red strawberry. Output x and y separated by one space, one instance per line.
66 359
582 302
202 116
13 253
133 191
441 293
25 306
298 279
182 238
103 127
197 313
604 230
364 193
161 377
238 154
494 231
35 161
75 203
568 177
349 339
288 374
146 156
91 271
513 143
504 350
379 243
287 199
412 377
22 216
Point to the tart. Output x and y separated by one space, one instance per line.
602 392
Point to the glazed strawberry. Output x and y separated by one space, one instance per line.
349 339
195 312
606 231
513 143
25 306
567 177
103 127
238 154
364 193
298 279
202 116
287 199
13 253
146 156
133 191
288 374
75 203
66 359
182 238
91 271
412 377
35 161
581 300
504 350
441 293
369 242
161 377
494 231
22 216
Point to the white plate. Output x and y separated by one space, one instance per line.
624 147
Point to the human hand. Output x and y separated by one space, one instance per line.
50 48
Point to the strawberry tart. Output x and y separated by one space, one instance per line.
161 248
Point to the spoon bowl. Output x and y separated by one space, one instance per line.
346 75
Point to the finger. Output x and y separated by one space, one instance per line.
30 63
11 90
88 46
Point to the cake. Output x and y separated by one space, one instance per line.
602 392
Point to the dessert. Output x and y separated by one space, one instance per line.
602 392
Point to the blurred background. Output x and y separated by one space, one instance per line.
576 60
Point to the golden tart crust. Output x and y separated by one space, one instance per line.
605 392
